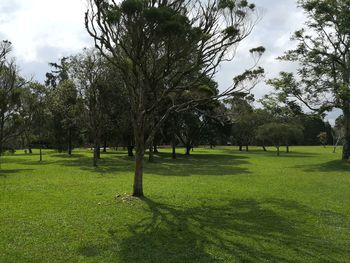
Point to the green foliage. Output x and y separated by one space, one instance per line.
131 7
280 133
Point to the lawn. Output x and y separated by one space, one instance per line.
217 205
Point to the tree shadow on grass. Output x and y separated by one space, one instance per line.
331 166
196 164
6 172
239 231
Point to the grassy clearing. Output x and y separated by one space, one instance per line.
215 206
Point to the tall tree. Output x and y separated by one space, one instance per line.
165 48
323 53
11 85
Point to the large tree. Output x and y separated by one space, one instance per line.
11 85
164 49
323 53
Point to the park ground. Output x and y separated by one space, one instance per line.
217 205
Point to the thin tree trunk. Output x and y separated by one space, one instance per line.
240 148
41 154
155 148
173 154
287 148
140 152
188 150
278 150
151 154
69 142
247 148
264 148
105 145
130 151
346 146
96 152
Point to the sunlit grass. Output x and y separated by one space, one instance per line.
217 205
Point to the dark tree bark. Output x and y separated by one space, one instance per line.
278 150
155 148
96 153
151 154
346 146
240 148
105 145
130 151
247 148
140 152
173 154
188 150
264 148
287 148
69 142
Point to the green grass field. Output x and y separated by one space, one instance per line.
216 206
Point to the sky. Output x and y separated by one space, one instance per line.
43 31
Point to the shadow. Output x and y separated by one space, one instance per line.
331 166
66 156
4 173
198 164
239 231
114 163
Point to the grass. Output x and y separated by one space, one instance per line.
216 206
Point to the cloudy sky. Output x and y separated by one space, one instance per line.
43 31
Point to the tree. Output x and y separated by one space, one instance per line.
11 85
323 138
163 50
66 109
279 134
323 54
242 118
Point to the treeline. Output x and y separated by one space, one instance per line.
84 103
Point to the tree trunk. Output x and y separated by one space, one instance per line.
41 154
287 148
155 148
240 148
69 142
140 152
96 152
278 150
346 146
105 145
247 148
30 149
150 154
173 154
130 151
188 150
264 148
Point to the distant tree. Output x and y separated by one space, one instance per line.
242 118
164 49
323 138
279 134
338 132
66 109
